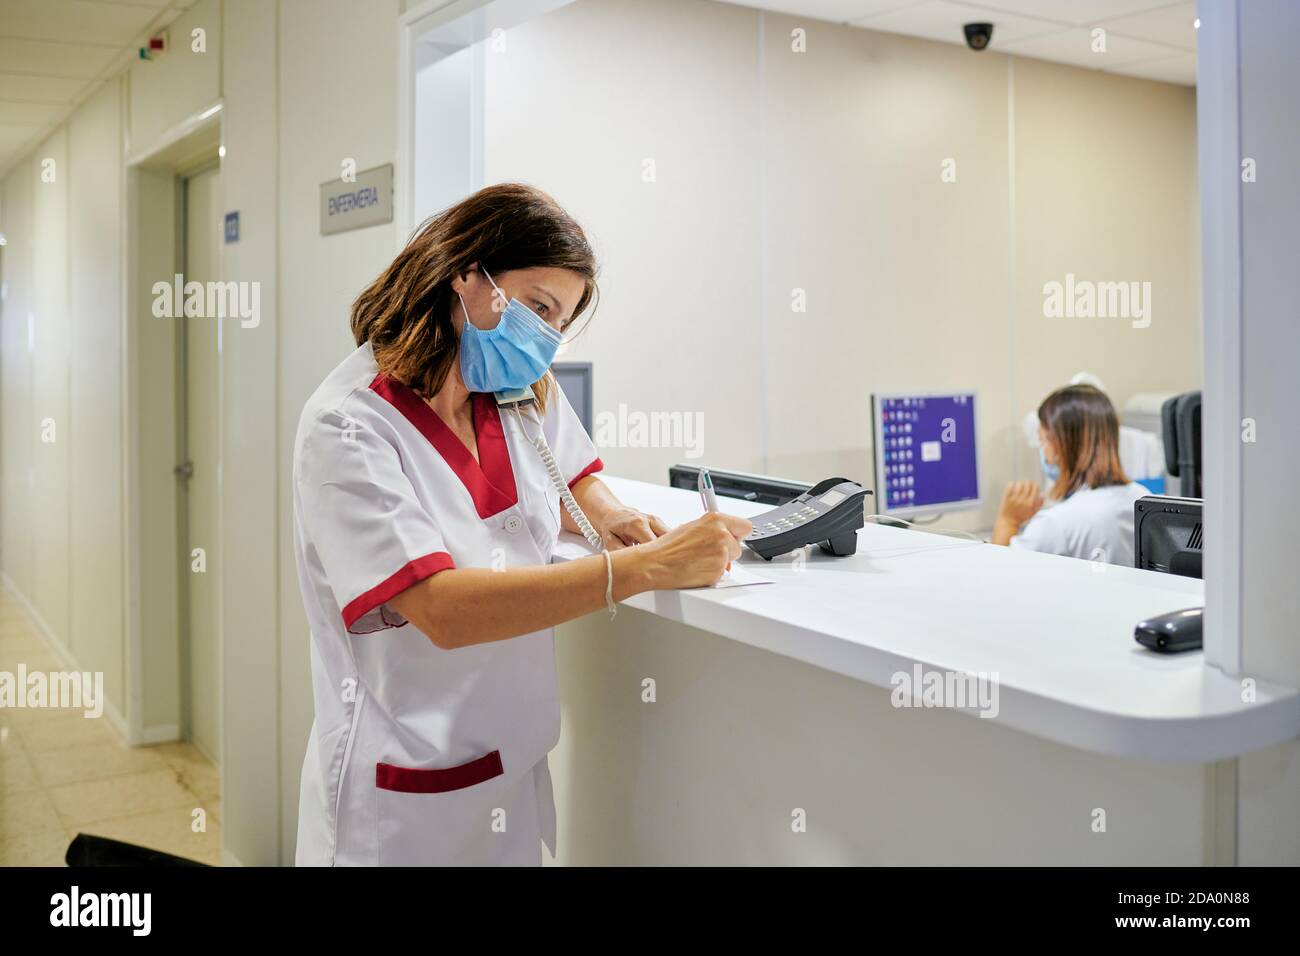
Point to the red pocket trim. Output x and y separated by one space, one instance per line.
411 780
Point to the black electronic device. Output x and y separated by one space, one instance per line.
828 514
1167 535
1180 430
1172 632
739 484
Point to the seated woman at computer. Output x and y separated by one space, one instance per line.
1089 511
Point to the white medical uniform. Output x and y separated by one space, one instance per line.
420 755
1093 523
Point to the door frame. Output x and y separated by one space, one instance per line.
153 239
208 161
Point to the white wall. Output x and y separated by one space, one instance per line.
62 504
250 486
166 91
50 391
444 167
19 431
820 171
1270 527
95 263
1253 347
680 320
1270 248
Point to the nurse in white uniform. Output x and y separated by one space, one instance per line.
1089 513
425 516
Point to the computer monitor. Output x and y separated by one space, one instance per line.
925 451
575 380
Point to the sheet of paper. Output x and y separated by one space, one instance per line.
740 576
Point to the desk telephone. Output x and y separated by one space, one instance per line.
828 514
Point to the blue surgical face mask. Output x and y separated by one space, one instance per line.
513 354
1050 472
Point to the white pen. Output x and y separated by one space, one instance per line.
705 484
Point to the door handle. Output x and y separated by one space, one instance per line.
184 470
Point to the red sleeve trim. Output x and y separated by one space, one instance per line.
410 780
412 573
591 469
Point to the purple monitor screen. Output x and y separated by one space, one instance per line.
925 452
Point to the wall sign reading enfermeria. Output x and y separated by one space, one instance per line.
364 199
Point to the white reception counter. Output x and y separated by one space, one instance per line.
685 741
1056 632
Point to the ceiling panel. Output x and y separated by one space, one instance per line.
1074 46
53 59
13 113
1172 26
1144 37
56 53
40 89
1077 12
90 22
837 11
943 20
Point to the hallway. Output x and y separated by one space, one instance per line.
62 773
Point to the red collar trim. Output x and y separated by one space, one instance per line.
490 480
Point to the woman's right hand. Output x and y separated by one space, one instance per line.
694 554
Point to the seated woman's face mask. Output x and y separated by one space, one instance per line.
516 352
1050 472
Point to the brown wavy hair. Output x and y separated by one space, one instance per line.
1085 430
405 314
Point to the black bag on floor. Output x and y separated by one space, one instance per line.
100 851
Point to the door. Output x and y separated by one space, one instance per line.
200 653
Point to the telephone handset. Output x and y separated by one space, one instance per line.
828 514
512 400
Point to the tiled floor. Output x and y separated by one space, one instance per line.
62 773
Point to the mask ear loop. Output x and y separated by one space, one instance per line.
496 288
500 319
538 326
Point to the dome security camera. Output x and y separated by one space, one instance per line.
978 35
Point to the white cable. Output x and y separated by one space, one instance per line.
609 585
950 532
571 506
566 495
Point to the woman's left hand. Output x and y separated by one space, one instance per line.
626 526
1020 502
